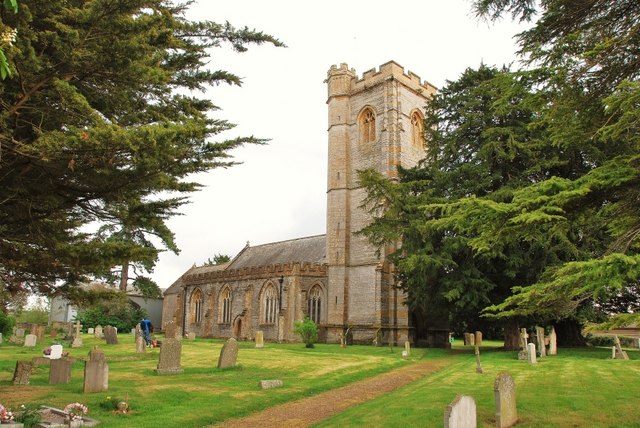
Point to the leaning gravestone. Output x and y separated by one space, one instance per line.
504 390
461 413
60 371
22 373
540 341
618 353
30 340
259 339
228 354
111 335
170 354
96 372
553 342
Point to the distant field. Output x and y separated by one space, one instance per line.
578 387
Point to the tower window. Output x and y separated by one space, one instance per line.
367 124
417 129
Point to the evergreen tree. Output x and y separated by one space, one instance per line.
102 122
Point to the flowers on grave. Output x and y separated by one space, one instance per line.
46 351
118 405
76 410
5 414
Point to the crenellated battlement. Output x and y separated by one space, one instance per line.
284 269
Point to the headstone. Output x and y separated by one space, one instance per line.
523 354
111 335
407 348
553 342
269 384
56 352
96 372
170 329
259 339
504 390
478 336
98 332
53 334
38 330
192 335
20 332
91 330
30 340
461 413
228 354
77 337
60 371
141 346
540 340
343 340
170 354
619 354
478 366
133 331
0 338
531 350
22 373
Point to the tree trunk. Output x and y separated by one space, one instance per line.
570 333
511 336
124 278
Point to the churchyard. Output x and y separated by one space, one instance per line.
577 387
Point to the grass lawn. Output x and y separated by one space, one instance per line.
578 387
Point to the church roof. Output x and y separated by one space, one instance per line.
177 285
310 249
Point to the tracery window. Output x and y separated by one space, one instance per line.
367 124
417 129
269 305
314 303
196 306
225 306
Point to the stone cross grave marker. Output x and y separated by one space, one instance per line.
259 339
522 355
96 372
60 371
540 341
553 342
531 351
30 340
77 338
228 354
461 413
98 333
22 373
504 390
111 335
478 337
170 355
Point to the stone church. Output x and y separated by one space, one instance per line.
338 280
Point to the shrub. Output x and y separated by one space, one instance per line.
6 324
307 330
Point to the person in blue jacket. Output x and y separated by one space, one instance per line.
147 329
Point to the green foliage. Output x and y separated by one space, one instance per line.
7 323
307 330
108 307
34 316
217 259
29 415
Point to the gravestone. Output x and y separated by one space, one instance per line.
20 332
141 346
30 340
531 351
270 384
98 333
22 373
228 354
523 354
259 339
553 342
56 352
478 366
478 337
0 338
170 329
77 337
111 335
504 390
91 330
191 335
170 354
407 349
38 330
343 340
96 372
540 341
133 330
619 354
461 413
60 371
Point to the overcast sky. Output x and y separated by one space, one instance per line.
279 190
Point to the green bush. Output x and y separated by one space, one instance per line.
114 309
307 330
6 324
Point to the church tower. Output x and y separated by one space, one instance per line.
374 122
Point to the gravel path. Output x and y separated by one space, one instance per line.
307 411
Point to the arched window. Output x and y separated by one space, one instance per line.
367 124
224 303
196 306
417 129
268 305
315 304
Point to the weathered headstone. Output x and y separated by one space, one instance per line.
96 372
259 339
30 340
478 366
141 346
461 413
343 340
269 384
170 354
504 390
407 348
38 330
20 332
133 330
523 354
553 342
619 353
98 333
56 352
531 351
540 341
111 335
170 329
77 337
228 354
22 373
60 371
191 335
478 336
91 330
